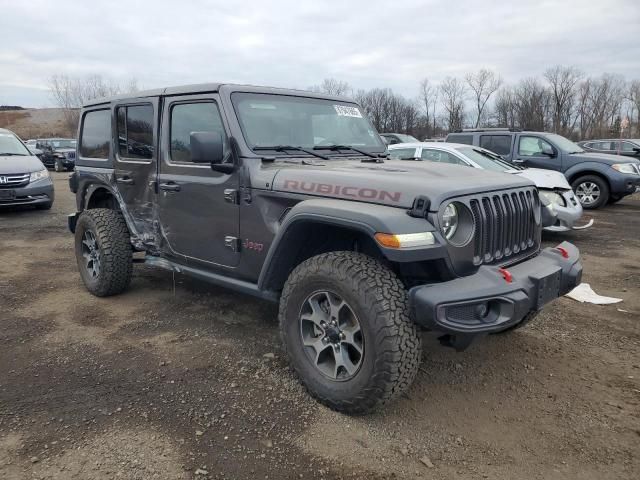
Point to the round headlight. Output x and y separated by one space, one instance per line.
450 221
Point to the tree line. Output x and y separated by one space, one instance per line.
563 100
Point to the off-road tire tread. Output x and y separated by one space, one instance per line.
116 259
396 335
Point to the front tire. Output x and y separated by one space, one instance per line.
346 328
103 251
592 191
58 167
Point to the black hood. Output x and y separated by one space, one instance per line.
19 164
602 158
394 182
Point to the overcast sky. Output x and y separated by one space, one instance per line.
298 43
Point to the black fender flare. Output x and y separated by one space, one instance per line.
364 218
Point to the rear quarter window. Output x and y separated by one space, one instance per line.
96 134
457 138
500 144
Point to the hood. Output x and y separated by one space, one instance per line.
602 158
18 164
394 182
545 178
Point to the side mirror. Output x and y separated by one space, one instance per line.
206 147
548 150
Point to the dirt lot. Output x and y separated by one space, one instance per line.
177 379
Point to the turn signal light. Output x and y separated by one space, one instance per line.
405 240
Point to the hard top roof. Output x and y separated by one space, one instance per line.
214 87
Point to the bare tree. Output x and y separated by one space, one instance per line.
483 84
562 83
429 98
70 93
633 95
332 86
452 93
506 107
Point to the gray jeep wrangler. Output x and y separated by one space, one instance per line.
289 196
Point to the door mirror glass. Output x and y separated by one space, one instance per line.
206 147
547 150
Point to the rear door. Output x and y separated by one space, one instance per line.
529 152
198 209
134 124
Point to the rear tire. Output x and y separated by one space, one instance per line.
592 191
385 346
103 251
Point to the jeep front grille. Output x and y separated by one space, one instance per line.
505 225
13 180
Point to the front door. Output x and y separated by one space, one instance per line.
198 211
135 159
531 153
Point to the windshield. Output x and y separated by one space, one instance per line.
485 160
406 138
564 144
63 143
278 120
10 145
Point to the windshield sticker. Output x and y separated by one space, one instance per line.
346 111
262 106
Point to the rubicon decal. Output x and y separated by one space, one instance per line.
361 193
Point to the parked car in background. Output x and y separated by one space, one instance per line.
393 138
596 178
59 153
563 209
24 180
626 147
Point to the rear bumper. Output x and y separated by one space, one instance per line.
487 302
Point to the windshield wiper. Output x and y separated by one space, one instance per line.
284 148
9 154
347 147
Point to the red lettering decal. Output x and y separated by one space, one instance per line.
324 188
368 193
394 197
345 193
307 187
291 184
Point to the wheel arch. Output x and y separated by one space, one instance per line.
572 176
314 227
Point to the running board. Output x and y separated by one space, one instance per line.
215 279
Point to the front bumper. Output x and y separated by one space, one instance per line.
494 299
36 193
567 216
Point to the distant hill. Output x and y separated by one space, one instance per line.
36 123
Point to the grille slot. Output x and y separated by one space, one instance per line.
505 225
13 180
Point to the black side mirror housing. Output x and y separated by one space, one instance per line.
206 147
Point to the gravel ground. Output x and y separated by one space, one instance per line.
176 379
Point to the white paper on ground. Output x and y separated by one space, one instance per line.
585 294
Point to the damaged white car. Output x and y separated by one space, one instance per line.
563 210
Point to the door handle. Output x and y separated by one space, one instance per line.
170 187
518 160
125 180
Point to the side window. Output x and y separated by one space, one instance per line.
135 131
500 144
532 146
466 139
403 153
628 147
441 157
192 117
601 145
96 134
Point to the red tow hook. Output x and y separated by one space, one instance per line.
563 251
506 274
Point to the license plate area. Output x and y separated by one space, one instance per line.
7 194
548 287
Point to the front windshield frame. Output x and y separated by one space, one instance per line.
563 143
485 160
64 143
20 148
372 141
